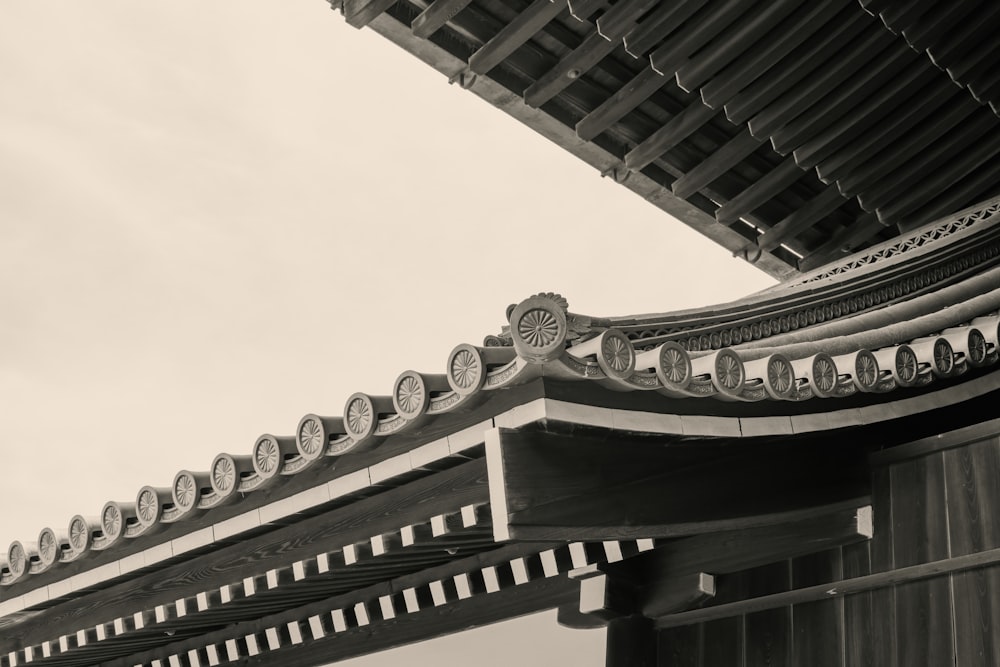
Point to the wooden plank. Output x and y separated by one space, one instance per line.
673 593
823 204
716 164
932 26
865 115
920 535
631 642
766 188
668 57
680 647
737 38
732 551
676 130
935 570
976 130
953 171
436 15
759 59
522 28
973 496
626 98
360 13
594 47
784 76
658 25
768 638
860 621
547 486
820 83
893 162
818 639
873 143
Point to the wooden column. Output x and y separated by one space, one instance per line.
631 642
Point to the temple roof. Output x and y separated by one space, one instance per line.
905 318
791 134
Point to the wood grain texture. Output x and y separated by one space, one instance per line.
680 647
818 638
861 625
768 639
920 535
440 493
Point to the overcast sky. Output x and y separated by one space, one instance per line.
218 216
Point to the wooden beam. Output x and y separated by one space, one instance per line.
631 642
626 98
360 13
676 130
716 164
853 586
742 34
594 47
752 65
522 28
843 242
770 184
658 25
547 486
823 204
569 616
436 15
955 199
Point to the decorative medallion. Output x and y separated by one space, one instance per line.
824 375
977 347
617 358
538 328
310 438
728 371
48 547
223 475
944 357
185 490
147 507
79 534
675 366
465 370
359 416
780 376
866 370
266 456
906 365
111 521
17 560
409 396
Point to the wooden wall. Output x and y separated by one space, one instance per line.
933 501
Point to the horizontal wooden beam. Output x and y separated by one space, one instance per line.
548 486
835 589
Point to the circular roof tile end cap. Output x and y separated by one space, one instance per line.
779 377
80 533
728 373
149 505
269 455
673 366
360 416
466 369
616 356
18 561
538 328
224 475
410 396
186 490
905 366
823 375
866 371
977 348
314 434
943 362
112 521
49 547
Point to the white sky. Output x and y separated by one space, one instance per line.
218 216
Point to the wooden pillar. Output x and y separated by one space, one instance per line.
631 642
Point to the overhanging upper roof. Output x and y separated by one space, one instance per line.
791 133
